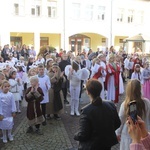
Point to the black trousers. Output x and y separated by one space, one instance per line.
81 88
65 93
44 110
65 86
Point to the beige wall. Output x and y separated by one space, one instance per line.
117 44
54 40
96 40
27 38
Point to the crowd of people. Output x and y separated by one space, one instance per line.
45 80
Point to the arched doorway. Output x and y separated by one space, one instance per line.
78 42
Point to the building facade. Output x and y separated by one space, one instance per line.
72 24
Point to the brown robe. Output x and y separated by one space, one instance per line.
50 105
34 112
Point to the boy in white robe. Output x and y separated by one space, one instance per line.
45 85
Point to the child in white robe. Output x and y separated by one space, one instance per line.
14 88
98 72
23 80
44 84
7 111
137 73
75 81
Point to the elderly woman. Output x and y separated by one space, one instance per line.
55 105
98 121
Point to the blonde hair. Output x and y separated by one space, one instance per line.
133 92
29 72
4 82
94 61
34 78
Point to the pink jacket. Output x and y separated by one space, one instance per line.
144 145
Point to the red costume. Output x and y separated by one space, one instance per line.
115 71
98 74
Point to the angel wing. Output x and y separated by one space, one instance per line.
67 69
84 74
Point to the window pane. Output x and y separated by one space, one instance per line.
33 11
89 12
38 10
76 10
16 7
120 15
101 13
130 16
52 9
49 11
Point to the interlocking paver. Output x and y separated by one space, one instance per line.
58 135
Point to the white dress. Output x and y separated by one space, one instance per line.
43 81
7 107
123 130
121 86
136 75
14 89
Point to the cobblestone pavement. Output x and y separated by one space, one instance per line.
58 135
71 123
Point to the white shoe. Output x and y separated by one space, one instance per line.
77 113
72 113
10 138
19 111
4 140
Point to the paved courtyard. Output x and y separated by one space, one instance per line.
58 135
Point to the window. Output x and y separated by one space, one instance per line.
130 16
89 12
44 41
101 13
36 11
52 9
75 10
51 12
103 40
33 11
120 40
140 16
16 9
120 15
16 40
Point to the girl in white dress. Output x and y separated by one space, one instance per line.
23 79
137 72
133 92
7 111
14 88
98 72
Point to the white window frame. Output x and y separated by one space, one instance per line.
140 17
53 9
101 13
120 15
130 17
36 13
89 12
16 9
20 9
76 10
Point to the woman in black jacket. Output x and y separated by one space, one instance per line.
98 121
